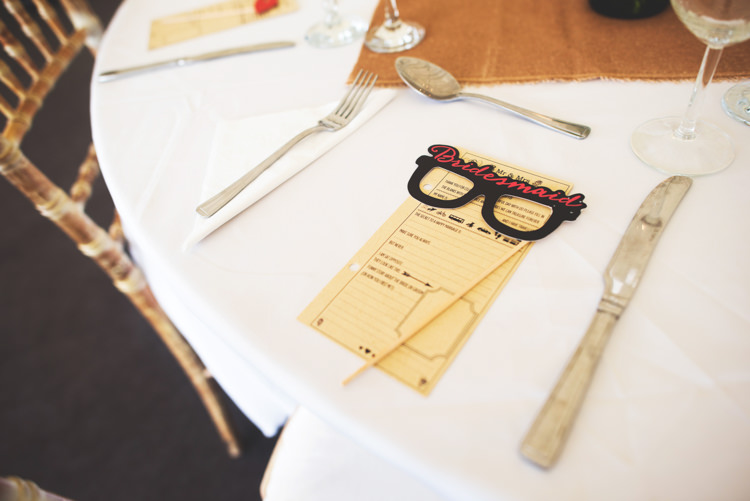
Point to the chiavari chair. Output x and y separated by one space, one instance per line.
40 39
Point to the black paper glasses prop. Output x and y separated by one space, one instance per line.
485 182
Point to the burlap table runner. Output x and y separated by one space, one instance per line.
496 41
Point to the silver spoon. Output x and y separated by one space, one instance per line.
436 83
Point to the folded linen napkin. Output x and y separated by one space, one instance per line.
240 145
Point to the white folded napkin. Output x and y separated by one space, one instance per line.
240 145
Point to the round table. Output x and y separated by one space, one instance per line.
667 413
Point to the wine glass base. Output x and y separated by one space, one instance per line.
341 33
656 144
736 102
397 38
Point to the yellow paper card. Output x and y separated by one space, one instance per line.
417 258
211 19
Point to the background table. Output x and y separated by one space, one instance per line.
667 414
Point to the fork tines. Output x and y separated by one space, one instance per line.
357 94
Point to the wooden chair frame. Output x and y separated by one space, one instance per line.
19 489
67 210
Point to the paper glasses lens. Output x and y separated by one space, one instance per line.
444 185
521 214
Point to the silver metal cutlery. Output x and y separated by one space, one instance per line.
548 433
179 62
436 83
339 118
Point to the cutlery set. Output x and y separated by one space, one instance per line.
424 77
547 435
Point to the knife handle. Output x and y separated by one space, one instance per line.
547 435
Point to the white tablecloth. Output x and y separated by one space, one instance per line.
668 413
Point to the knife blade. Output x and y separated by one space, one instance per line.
547 435
179 62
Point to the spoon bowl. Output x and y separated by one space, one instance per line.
436 83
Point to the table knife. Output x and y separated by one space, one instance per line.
547 435
108 76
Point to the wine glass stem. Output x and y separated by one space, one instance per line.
331 8
392 18
686 130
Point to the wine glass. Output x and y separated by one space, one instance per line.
687 145
334 30
736 102
394 35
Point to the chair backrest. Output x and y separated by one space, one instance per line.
39 46
57 34
40 39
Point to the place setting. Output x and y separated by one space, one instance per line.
479 213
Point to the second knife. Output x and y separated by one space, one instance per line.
108 76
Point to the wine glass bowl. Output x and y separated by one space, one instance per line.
395 34
687 145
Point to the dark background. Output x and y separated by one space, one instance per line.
92 405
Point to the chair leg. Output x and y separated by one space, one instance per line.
18 489
199 376
97 244
140 294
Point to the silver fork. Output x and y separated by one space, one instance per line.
344 113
